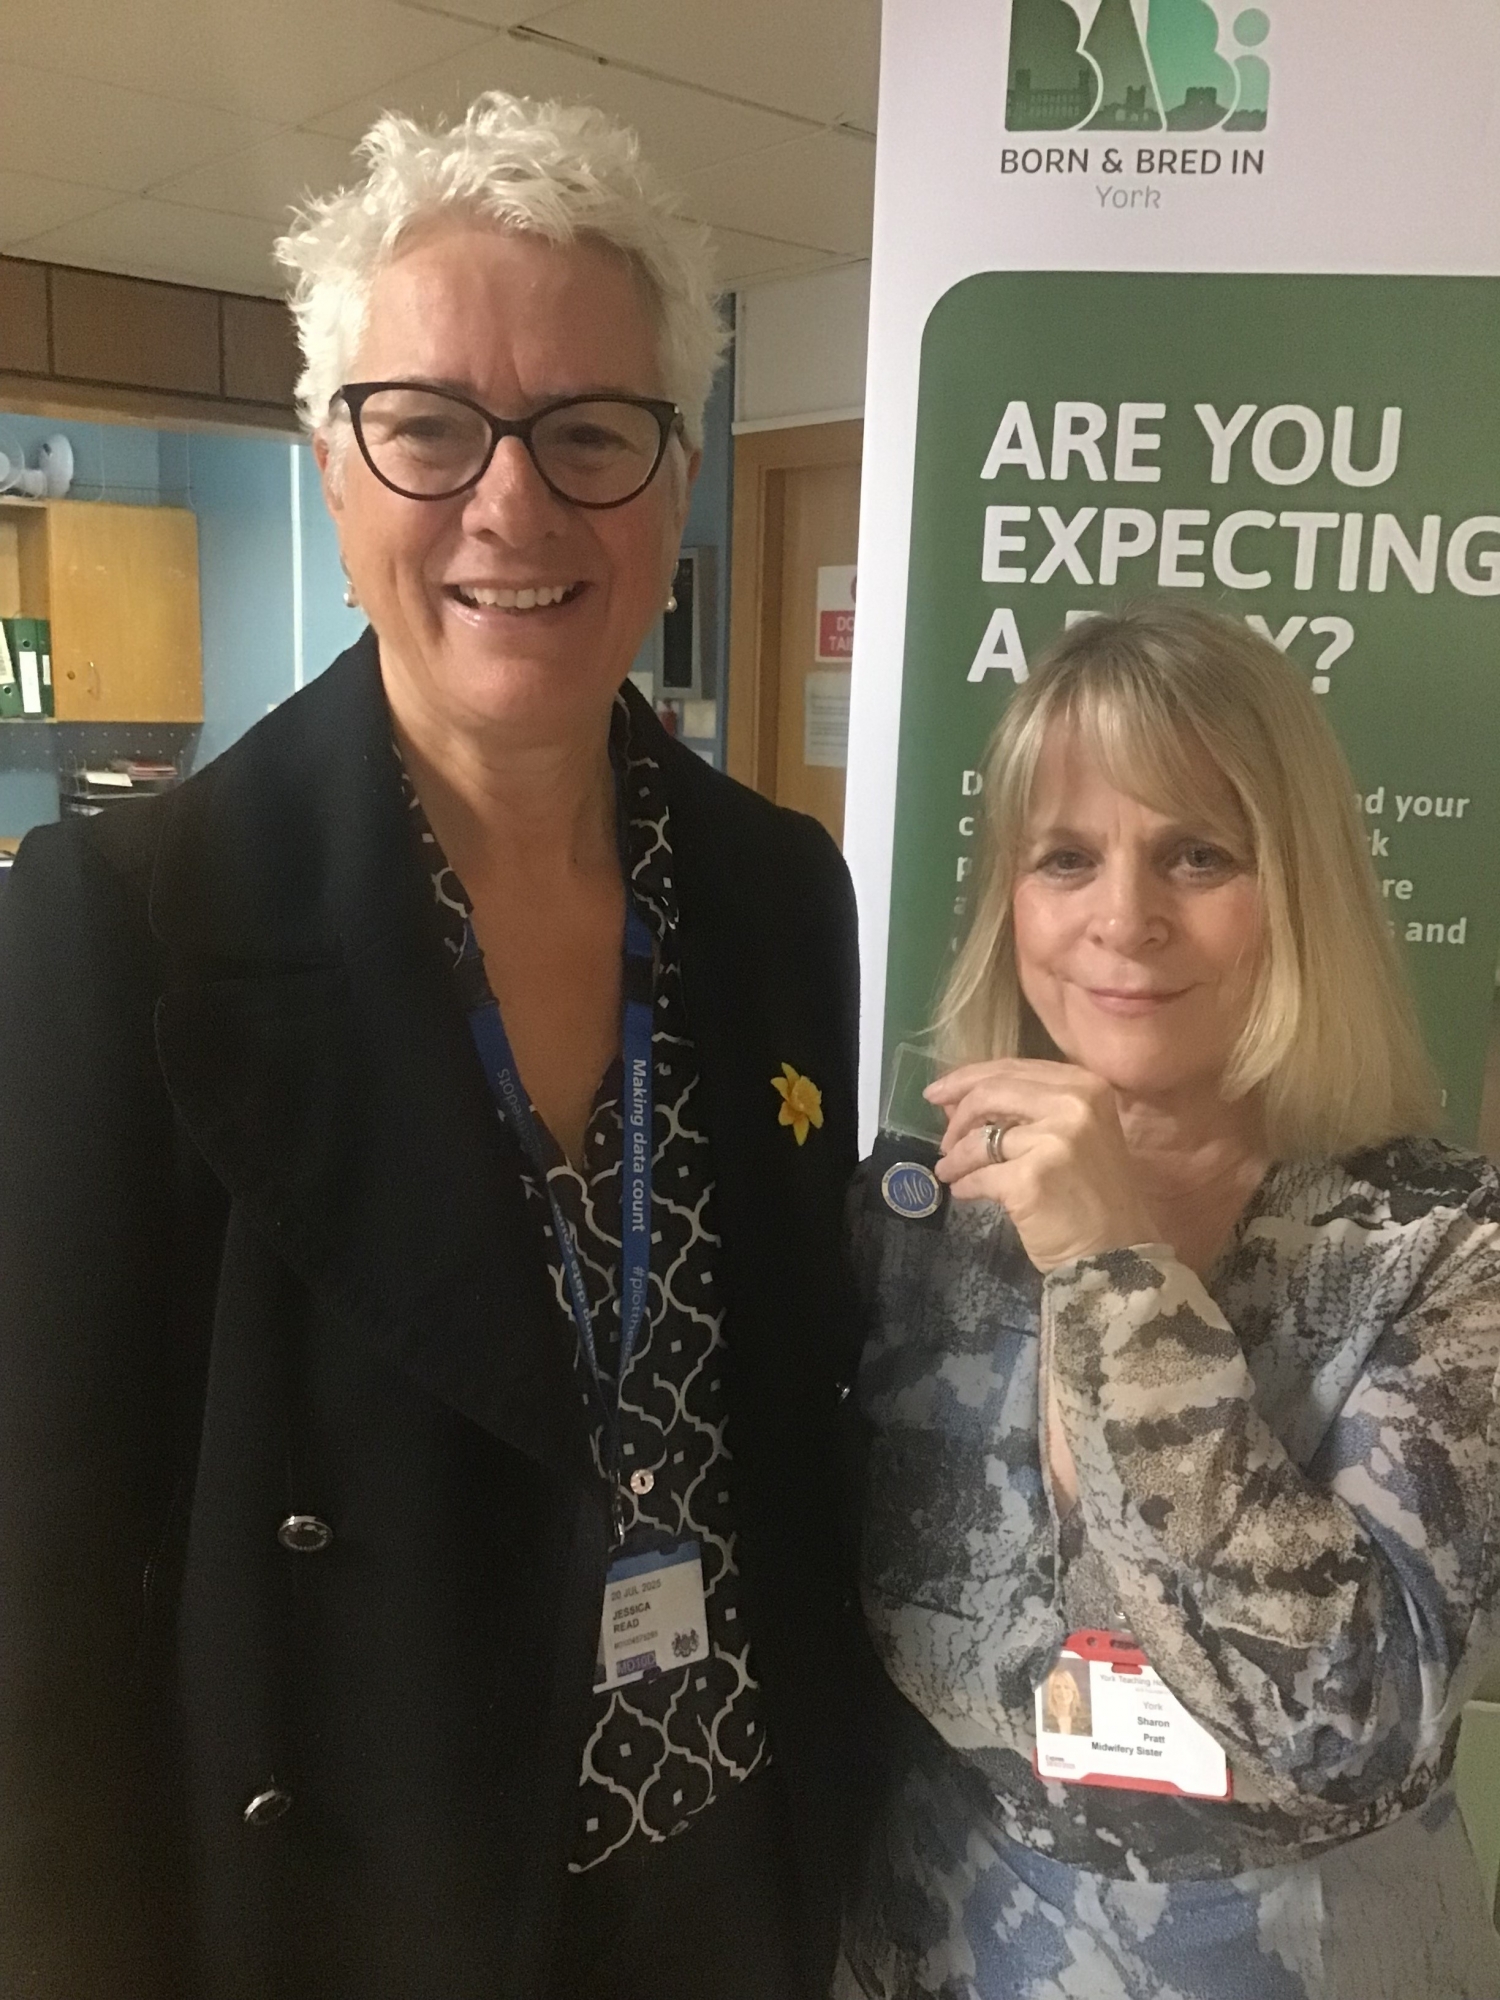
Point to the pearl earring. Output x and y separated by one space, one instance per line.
672 601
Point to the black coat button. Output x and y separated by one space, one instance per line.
268 1806
304 1534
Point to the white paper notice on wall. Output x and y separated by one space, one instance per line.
835 615
825 720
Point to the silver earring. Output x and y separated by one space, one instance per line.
349 598
672 601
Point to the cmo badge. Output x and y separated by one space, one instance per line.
912 1190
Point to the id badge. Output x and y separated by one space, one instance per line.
655 1617
1103 1717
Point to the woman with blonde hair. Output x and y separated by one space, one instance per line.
1191 1386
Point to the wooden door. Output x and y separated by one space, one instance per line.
123 599
796 510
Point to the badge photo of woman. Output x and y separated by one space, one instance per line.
1067 1708
1203 1350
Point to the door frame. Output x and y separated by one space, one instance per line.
762 459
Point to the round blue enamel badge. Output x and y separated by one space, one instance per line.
912 1190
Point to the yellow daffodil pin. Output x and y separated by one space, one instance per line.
801 1102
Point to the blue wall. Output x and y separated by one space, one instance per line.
273 609
328 625
240 493
110 461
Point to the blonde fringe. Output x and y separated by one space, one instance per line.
1332 1046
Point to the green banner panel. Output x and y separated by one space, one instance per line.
1319 454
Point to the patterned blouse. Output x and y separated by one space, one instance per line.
660 1750
1289 1487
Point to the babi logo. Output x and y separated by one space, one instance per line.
1137 66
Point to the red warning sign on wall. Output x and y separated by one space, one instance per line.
836 613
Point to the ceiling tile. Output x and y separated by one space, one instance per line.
680 128
742 259
818 60
105 136
30 203
493 13
268 179
818 191
155 239
281 60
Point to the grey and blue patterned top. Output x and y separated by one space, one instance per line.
1289 1492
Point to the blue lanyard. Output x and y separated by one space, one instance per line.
499 1062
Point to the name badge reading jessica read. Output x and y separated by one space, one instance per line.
1103 1717
655 1617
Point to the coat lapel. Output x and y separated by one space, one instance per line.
761 991
310 1040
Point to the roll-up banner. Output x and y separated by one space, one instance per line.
1194 300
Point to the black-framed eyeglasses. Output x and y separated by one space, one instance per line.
431 444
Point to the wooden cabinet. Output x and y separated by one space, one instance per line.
120 587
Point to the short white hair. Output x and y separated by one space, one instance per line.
561 172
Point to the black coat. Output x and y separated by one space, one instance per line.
263 1251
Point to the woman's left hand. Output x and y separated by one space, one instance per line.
1064 1178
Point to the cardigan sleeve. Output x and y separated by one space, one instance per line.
84 1484
1320 1622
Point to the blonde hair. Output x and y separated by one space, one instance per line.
562 172
1331 1042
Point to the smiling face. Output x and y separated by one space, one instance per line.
1138 933
1064 1698
505 608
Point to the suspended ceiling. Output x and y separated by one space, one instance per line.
170 138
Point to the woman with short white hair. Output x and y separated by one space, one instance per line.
425 1136
1189 1393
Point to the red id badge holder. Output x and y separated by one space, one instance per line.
1105 1717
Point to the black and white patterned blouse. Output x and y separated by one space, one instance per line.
660 1750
